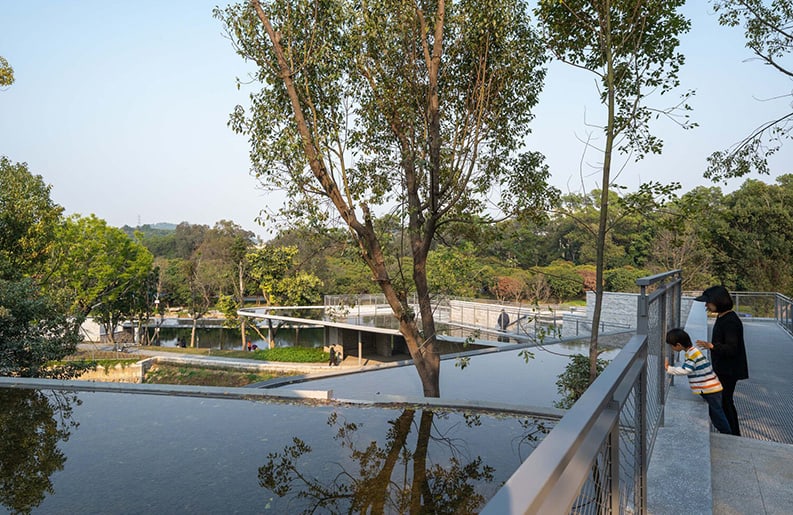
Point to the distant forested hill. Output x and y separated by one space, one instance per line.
158 229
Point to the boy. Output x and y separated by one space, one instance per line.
701 378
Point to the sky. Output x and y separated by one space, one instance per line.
122 107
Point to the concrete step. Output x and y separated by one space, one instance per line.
750 476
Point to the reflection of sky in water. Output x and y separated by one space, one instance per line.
135 453
497 377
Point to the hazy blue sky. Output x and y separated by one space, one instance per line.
122 108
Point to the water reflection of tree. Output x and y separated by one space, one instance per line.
32 423
390 479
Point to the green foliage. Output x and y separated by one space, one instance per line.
347 275
623 279
174 282
33 332
681 241
280 281
751 237
563 280
291 355
28 220
34 329
300 289
98 269
6 72
767 31
574 381
455 271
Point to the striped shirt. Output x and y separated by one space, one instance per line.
701 377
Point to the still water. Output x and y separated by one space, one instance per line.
229 339
91 452
504 377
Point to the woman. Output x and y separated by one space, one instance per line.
727 349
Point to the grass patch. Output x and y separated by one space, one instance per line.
281 354
163 373
284 354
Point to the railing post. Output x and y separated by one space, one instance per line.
642 439
642 322
614 464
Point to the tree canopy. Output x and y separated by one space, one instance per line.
631 47
34 329
768 29
417 106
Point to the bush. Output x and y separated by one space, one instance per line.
291 354
623 279
564 281
574 381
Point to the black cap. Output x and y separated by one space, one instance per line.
712 293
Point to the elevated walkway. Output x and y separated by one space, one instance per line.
695 471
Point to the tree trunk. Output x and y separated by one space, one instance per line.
600 262
421 346
242 302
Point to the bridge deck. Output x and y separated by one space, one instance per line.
764 403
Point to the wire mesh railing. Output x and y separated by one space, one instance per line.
596 458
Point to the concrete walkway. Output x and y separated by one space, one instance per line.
751 474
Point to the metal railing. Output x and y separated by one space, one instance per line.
765 305
595 460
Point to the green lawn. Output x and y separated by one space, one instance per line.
283 354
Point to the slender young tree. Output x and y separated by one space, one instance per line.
419 107
631 48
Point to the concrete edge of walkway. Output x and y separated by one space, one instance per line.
679 475
324 396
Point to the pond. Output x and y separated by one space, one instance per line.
229 338
505 377
95 452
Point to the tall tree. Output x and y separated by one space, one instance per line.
28 220
768 28
224 248
34 330
751 237
280 281
631 48
681 240
94 263
420 106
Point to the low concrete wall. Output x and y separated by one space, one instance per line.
128 373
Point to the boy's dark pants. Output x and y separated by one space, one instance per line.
716 412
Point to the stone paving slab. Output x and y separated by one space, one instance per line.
751 477
753 474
